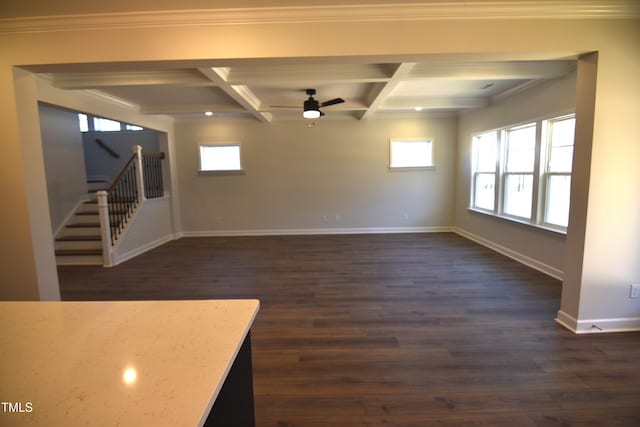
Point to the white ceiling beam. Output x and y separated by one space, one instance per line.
190 108
141 78
509 70
379 94
410 103
240 93
292 74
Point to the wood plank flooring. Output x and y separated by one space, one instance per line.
392 330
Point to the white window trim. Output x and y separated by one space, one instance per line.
412 168
540 176
221 171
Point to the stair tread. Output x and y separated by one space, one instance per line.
81 238
77 252
88 213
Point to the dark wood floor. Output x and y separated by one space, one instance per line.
392 330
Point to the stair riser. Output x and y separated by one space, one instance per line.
80 260
81 231
85 219
90 208
97 186
96 244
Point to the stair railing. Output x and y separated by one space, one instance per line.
152 171
117 205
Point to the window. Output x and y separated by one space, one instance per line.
220 158
485 149
520 151
411 153
89 123
524 172
102 125
557 177
84 122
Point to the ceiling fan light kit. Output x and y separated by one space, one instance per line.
311 114
311 107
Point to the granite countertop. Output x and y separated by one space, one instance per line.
125 363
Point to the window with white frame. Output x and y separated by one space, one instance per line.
411 153
559 135
524 172
520 154
485 150
219 158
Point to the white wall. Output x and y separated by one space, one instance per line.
150 227
63 162
542 249
333 177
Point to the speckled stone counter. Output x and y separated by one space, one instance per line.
128 363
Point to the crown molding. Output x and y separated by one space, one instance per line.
451 10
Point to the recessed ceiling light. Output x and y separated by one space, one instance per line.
418 108
208 113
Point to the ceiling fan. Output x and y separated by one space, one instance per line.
311 107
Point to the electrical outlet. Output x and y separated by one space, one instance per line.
635 291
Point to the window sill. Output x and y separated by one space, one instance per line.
222 173
411 168
518 221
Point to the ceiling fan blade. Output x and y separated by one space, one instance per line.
332 102
321 113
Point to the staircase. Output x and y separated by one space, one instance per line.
80 242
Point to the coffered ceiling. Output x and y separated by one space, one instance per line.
275 90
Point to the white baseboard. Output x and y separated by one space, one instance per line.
315 231
521 258
120 258
594 326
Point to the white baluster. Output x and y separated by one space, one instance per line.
139 174
105 228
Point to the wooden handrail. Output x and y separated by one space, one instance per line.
122 172
153 154
107 148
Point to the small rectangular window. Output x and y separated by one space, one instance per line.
133 127
84 122
220 158
105 125
411 153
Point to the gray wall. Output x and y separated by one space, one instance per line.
63 161
557 96
333 176
98 161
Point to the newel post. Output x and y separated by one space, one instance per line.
139 174
105 228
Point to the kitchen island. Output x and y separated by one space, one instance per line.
126 363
